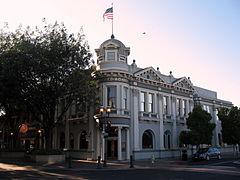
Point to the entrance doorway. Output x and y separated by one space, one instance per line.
112 149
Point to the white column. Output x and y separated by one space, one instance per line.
135 119
119 99
155 103
119 143
215 132
187 107
104 96
147 102
169 105
181 108
161 129
98 143
128 144
191 105
174 127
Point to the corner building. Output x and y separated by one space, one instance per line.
149 109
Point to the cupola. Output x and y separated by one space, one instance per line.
113 54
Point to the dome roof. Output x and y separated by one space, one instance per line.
112 41
113 44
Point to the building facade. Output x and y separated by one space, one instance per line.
148 111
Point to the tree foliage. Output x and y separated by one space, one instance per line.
200 127
38 67
230 119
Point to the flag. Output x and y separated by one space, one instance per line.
108 13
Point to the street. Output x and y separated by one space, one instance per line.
214 169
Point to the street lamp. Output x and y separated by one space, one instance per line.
40 132
103 123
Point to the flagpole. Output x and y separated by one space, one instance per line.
112 21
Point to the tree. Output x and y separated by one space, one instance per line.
41 67
185 138
200 127
230 119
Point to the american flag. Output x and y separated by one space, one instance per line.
108 13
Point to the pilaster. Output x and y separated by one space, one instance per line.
119 143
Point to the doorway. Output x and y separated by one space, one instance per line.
112 149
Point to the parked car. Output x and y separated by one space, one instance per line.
207 154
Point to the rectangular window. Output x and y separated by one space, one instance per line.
178 107
125 91
111 96
150 102
142 101
110 56
206 108
165 106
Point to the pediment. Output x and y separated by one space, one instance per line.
149 73
183 83
111 45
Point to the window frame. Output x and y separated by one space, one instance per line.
165 105
112 100
143 101
150 102
112 54
125 98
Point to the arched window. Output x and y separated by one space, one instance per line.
83 140
71 140
62 140
167 139
147 140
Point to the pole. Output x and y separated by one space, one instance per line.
112 19
104 152
131 162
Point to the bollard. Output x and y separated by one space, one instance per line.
153 159
131 162
99 162
69 161
105 161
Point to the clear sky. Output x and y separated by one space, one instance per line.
197 39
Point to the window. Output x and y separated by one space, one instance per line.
142 101
125 91
206 108
178 107
165 107
147 140
71 140
150 102
83 140
110 56
167 139
184 102
111 96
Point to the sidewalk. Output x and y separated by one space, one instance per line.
77 164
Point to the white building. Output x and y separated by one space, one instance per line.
149 111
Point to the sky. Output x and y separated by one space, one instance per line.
196 39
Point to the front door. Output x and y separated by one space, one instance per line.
112 148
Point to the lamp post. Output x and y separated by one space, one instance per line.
40 138
103 122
